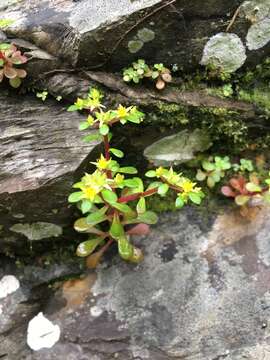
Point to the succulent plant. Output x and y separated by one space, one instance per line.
10 57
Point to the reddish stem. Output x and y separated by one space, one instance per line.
106 147
125 199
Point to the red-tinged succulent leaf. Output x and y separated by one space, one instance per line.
227 191
17 58
21 73
10 72
140 229
238 184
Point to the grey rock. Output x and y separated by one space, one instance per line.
112 34
41 149
259 34
178 148
202 293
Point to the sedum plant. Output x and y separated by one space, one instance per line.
10 58
213 169
251 192
112 199
139 70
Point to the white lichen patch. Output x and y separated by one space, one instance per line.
42 333
146 35
258 34
8 285
225 51
96 311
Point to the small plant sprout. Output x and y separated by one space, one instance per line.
112 198
42 95
243 166
248 192
139 70
10 58
213 169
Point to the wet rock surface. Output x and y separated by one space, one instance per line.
41 149
202 293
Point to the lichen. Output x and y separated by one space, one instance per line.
38 230
134 46
146 35
225 51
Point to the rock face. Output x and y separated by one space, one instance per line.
111 34
40 150
202 293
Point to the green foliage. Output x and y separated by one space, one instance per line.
139 70
10 58
247 187
213 169
112 199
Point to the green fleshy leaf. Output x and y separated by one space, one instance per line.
125 249
87 247
151 174
153 185
124 208
195 198
208 166
16 82
92 137
242 199
109 196
251 187
141 206
132 183
117 153
201 176
149 217
86 206
76 196
210 182
128 170
81 225
179 202
163 189
84 125
104 129
97 217
116 230
72 108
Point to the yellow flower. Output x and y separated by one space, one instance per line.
90 120
102 163
89 193
188 186
79 103
122 111
119 179
159 171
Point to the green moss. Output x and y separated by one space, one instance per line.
159 204
259 96
171 115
